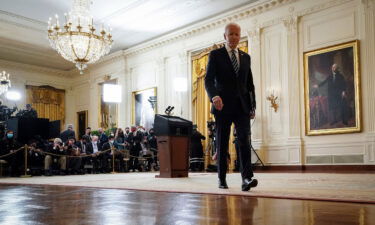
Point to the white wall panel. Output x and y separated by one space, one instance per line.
277 156
330 27
273 67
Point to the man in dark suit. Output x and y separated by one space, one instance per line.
93 149
30 112
68 133
103 138
229 85
337 99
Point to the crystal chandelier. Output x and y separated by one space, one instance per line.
4 82
76 40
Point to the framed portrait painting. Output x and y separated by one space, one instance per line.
144 107
332 89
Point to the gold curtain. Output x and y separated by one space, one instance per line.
201 103
48 101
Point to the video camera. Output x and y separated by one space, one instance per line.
211 125
211 128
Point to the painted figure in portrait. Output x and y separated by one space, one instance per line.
145 107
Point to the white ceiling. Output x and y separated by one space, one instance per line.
23 23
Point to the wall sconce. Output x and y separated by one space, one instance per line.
273 100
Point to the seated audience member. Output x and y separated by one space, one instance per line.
142 130
103 138
16 160
146 154
196 150
68 133
94 149
153 145
36 155
127 131
134 140
122 145
117 153
58 149
74 161
82 145
119 139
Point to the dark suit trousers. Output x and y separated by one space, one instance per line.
242 124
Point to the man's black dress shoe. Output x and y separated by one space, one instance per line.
249 183
223 184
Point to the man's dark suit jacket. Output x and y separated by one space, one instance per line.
90 148
335 89
65 135
221 80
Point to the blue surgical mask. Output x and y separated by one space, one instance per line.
9 135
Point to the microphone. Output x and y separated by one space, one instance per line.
168 110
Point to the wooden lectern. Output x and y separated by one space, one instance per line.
173 135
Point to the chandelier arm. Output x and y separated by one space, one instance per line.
72 46
88 47
102 45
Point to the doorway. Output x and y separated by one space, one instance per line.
81 123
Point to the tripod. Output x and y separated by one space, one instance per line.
258 158
252 148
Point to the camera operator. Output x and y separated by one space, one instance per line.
56 148
16 160
211 136
196 150
36 154
237 147
153 144
134 140
6 112
74 163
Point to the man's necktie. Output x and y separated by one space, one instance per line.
234 62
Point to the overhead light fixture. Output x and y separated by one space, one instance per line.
111 93
13 95
76 40
180 84
4 82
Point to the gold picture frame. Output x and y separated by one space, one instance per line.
332 89
144 107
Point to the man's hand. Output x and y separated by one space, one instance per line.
217 102
252 115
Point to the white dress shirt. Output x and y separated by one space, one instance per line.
236 53
95 147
